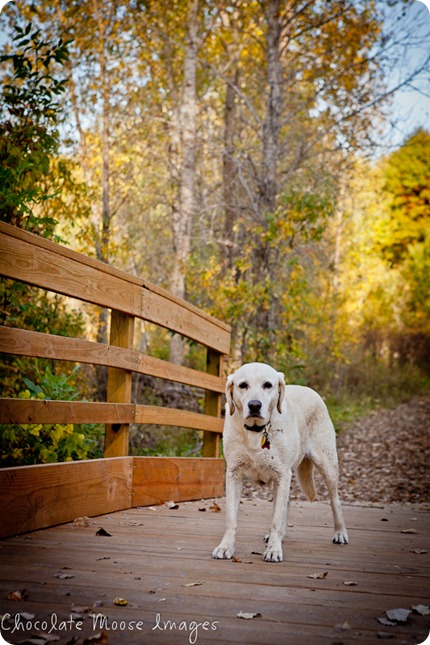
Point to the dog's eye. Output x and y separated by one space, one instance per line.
267 385
243 385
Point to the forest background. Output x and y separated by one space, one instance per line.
244 155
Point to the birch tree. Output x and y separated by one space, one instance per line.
183 212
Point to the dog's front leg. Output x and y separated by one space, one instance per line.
225 550
273 551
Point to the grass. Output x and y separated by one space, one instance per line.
374 387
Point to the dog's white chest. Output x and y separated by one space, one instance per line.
260 464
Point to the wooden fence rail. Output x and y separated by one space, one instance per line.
44 264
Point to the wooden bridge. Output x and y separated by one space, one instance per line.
38 496
91 552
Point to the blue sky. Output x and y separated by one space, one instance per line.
410 107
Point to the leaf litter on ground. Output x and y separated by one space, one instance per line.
248 615
318 576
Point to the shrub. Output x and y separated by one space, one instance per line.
33 443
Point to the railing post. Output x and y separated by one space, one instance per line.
119 384
211 440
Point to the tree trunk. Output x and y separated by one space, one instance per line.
183 216
271 126
229 174
268 188
104 230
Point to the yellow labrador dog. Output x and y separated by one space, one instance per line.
270 430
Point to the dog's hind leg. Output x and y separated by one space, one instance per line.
326 462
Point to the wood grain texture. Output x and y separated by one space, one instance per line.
42 263
34 497
119 385
29 411
211 441
32 343
155 553
161 479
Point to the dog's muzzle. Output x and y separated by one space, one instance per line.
255 428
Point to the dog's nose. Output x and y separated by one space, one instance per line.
254 407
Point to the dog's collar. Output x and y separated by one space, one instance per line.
257 428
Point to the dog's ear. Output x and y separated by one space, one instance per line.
229 394
281 388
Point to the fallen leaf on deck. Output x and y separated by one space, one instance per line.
104 557
423 610
215 508
318 576
101 638
63 576
103 532
414 531
234 559
81 521
18 595
399 615
418 551
173 506
194 584
248 615
121 602
202 509
350 583
385 621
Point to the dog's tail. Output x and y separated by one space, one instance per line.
305 474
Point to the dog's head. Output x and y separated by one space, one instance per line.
254 391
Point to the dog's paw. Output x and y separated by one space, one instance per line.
273 554
341 537
222 553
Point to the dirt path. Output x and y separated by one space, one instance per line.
386 457
383 458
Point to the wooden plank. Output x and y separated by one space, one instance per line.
49 269
29 411
156 553
34 497
211 441
43 495
43 243
34 260
160 479
119 385
180 418
31 343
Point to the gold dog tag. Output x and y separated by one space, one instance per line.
265 443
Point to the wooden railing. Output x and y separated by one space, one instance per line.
39 262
